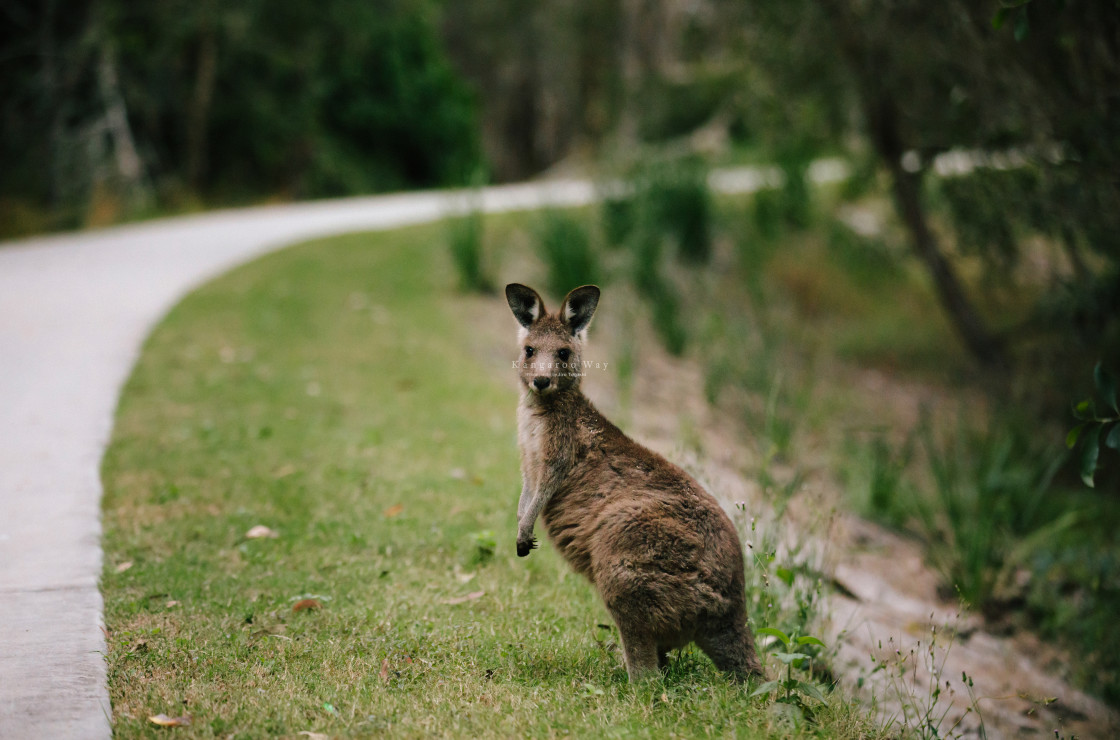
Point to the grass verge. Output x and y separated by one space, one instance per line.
332 393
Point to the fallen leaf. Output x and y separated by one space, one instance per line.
464 577
124 566
384 670
164 721
469 597
284 471
394 510
172 603
261 531
306 605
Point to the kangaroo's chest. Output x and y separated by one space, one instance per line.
532 436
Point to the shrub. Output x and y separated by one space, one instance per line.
678 203
565 246
618 218
466 238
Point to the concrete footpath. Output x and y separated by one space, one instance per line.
74 311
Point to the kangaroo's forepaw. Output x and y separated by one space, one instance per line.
524 546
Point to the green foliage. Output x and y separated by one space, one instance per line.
783 583
466 238
878 483
619 218
484 545
231 101
1100 424
564 244
667 318
678 107
656 290
990 507
666 201
678 203
1074 595
866 261
774 210
792 693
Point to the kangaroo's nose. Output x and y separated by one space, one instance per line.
541 382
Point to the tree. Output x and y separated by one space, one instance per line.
1035 82
233 99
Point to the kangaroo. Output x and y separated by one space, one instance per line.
661 552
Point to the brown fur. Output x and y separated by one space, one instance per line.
663 555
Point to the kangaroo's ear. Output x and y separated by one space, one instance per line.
579 306
526 305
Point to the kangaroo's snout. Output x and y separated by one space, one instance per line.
541 382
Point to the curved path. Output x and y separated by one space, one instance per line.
74 311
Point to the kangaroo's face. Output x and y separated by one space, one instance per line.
550 344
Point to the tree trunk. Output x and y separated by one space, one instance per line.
129 167
906 188
882 125
198 116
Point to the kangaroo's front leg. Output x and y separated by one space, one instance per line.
535 497
527 512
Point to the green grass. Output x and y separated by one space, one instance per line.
336 393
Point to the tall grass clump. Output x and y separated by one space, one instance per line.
659 293
665 204
678 203
619 216
466 237
786 205
990 509
877 480
564 245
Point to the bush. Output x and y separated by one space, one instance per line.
991 503
466 238
565 246
619 218
679 204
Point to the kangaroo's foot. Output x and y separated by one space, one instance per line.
525 545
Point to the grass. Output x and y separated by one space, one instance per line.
336 393
466 238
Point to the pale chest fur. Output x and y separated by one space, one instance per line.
531 434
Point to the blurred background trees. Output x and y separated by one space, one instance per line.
992 127
126 105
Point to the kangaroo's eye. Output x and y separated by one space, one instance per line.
528 351
564 354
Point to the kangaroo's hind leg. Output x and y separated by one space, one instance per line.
731 648
641 655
